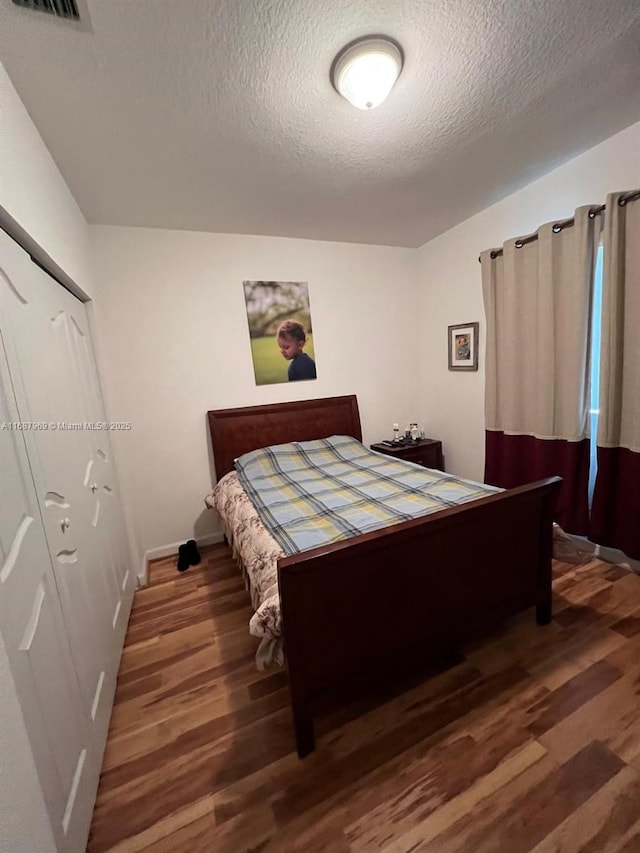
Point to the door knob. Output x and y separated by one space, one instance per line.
94 487
65 524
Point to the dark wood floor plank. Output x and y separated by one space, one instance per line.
613 716
549 711
628 626
602 822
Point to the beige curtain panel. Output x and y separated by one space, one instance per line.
537 300
619 420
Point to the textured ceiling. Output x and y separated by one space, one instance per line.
218 115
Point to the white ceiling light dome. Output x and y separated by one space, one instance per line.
365 71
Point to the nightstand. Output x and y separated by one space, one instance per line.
426 452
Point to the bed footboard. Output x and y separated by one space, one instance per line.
355 609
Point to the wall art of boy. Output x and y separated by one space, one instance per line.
462 346
291 340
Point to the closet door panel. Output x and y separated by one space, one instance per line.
37 647
59 458
101 481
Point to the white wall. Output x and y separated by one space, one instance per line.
35 200
171 317
451 291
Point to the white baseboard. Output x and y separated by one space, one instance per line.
169 550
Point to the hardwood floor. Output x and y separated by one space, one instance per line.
527 740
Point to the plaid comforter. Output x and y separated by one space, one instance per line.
316 492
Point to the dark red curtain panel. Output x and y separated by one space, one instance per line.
513 460
615 514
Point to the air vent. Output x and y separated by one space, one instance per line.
60 8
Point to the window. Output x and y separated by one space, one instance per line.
594 401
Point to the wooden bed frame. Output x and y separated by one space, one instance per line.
359 609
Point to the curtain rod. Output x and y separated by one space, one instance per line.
566 223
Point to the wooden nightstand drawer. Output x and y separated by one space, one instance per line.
426 452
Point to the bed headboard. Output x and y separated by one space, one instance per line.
238 431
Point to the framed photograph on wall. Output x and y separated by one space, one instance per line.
280 331
463 346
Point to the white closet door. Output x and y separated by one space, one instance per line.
53 371
100 476
33 632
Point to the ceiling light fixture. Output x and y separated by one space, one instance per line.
365 71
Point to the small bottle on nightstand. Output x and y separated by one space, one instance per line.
396 432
